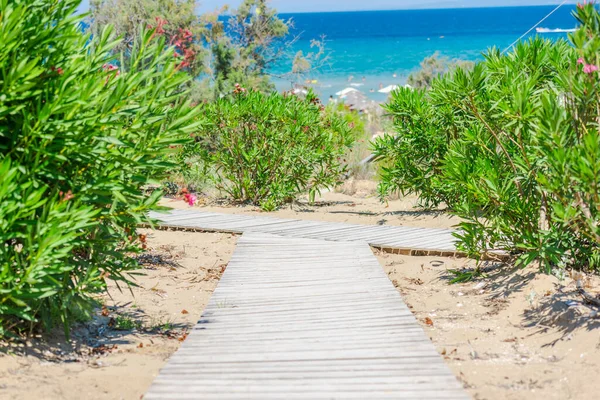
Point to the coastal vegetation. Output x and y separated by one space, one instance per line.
267 149
219 49
512 148
80 140
92 123
97 122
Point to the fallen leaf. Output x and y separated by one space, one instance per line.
415 281
428 321
184 312
105 311
140 345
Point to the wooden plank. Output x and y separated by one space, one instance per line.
389 237
298 318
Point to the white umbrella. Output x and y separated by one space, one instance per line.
388 89
346 91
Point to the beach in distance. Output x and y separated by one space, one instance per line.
370 50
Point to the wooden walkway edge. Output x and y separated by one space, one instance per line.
394 239
297 318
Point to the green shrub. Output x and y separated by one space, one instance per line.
512 148
80 138
268 148
423 130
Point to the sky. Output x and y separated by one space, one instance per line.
284 6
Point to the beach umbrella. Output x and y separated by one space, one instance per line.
388 89
346 91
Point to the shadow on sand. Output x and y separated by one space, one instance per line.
110 328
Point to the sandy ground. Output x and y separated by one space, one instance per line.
356 203
107 360
508 335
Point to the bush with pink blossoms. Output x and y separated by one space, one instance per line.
512 147
81 138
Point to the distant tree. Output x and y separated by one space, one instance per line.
220 48
433 67
175 19
249 43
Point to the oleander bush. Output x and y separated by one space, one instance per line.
81 137
511 147
266 149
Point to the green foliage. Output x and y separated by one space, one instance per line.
361 126
79 141
512 148
424 130
217 51
244 47
268 148
176 20
125 323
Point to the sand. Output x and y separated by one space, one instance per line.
168 301
509 335
521 335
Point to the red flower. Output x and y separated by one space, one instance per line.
187 34
109 67
160 23
183 64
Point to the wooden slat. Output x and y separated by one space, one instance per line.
387 237
296 318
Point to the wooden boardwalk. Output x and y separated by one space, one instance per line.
297 318
408 240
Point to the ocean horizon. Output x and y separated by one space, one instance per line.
373 49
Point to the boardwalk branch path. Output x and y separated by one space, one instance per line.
421 240
299 318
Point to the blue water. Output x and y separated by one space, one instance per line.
375 45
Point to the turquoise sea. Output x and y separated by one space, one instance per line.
373 46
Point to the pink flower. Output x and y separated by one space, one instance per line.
65 196
589 68
160 23
187 34
110 67
580 60
190 198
